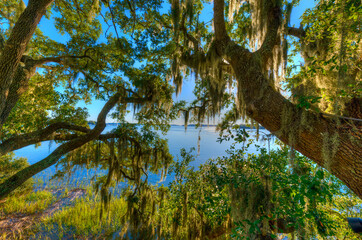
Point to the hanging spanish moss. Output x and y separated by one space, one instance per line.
130 156
182 13
211 72
251 201
275 67
328 72
218 74
259 17
330 147
94 9
289 125
234 6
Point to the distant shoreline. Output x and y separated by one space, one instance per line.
182 125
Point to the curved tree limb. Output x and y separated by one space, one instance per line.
48 133
296 32
273 24
59 59
23 140
20 177
61 138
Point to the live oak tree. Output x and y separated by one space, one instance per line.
131 61
315 106
42 80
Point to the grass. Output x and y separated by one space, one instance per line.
83 219
27 204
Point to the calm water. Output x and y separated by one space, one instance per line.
177 139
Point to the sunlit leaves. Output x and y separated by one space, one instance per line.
330 51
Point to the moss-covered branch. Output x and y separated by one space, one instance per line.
19 178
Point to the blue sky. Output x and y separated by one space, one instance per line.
49 29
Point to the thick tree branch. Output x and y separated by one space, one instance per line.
342 157
296 32
18 87
195 60
101 137
272 37
27 139
194 41
15 47
48 133
19 178
59 59
219 21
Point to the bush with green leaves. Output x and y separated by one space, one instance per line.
257 196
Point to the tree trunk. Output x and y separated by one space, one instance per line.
13 52
332 144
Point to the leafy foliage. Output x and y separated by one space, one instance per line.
9 164
133 50
258 195
330 52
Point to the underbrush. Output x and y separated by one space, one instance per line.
80 220
239 196
84 220
30 203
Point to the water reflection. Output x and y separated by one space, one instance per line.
177 139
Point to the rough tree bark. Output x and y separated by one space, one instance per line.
13 77
41 135
266 106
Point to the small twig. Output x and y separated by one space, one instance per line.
347 118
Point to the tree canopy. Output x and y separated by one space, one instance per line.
128 52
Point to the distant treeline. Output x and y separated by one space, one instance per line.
243 126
